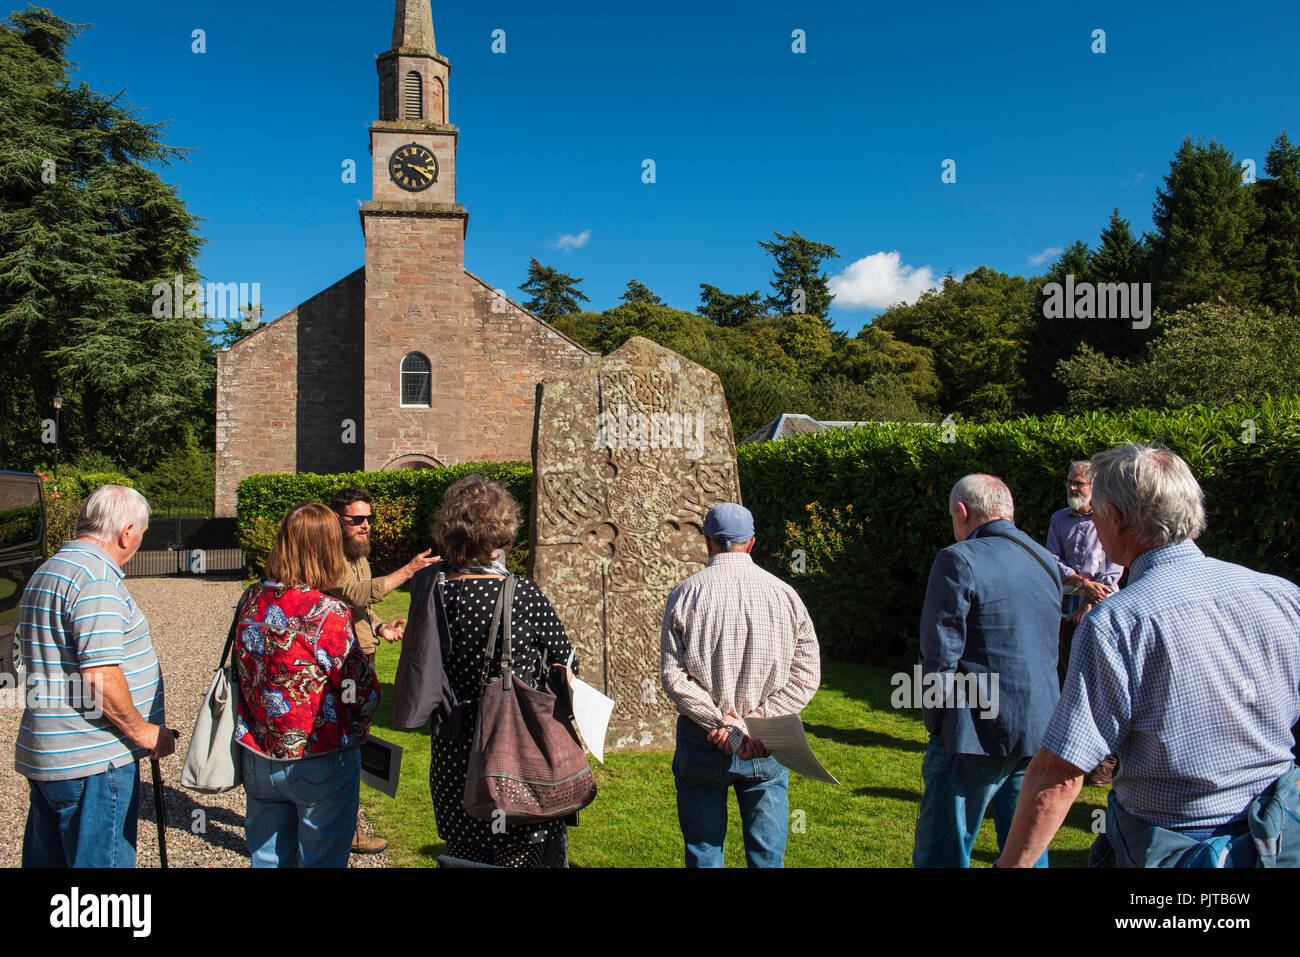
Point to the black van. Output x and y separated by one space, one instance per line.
22 551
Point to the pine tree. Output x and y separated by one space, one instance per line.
86 230
798 270
1280 199
727 309
638 291
1119 258
1205 220
553 293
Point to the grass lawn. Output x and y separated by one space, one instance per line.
872 748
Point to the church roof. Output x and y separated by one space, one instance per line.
413 27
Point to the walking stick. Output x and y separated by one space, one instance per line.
160 812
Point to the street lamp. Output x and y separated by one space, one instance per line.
58 404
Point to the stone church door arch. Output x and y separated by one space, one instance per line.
413 460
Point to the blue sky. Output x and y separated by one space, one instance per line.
843 143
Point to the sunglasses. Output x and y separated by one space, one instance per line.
355 520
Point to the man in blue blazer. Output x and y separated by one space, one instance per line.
988 667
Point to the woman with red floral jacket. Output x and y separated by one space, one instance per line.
307 694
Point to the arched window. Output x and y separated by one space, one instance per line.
417 382
438 107
413 96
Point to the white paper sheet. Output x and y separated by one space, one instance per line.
381 765
591 711
788 742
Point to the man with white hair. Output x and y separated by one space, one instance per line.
988 656
1191 674
95 692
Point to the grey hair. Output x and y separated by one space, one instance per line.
985 496
110 509
1080 465
1154 491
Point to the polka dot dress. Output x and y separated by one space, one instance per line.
537 641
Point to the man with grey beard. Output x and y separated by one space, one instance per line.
1088 575
360 591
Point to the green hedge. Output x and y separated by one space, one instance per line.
866 566
83 483
868 507
404 502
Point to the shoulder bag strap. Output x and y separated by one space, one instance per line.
508 594
234 626
499 613
1038 558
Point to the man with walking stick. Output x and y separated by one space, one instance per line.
89 657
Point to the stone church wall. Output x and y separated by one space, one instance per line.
283 392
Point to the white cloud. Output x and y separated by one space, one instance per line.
569 242
880 280
1051 252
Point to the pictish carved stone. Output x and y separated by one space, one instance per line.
629 454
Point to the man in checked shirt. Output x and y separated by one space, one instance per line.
1191 675
736 642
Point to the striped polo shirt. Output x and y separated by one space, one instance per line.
76 613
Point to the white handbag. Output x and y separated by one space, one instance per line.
213 762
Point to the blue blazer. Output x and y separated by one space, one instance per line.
991 611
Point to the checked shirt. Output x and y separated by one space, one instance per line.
1192 676
737 638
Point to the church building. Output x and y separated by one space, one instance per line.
411 361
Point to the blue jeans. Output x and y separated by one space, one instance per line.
704 774
84 822
302 813
958 790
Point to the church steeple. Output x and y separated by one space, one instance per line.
412 76
413 27
412 143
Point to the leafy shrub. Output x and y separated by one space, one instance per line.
406 500
898 476
869 506
61 511
823 553
86 482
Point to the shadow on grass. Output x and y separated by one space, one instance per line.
872 685
432 852
894 794
384 713
861 738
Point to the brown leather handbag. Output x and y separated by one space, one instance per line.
526 761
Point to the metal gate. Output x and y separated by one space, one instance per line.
184 538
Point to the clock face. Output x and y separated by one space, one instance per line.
413 167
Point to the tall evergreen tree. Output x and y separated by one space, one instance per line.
1205 220
727 309
553 293
1120 257
638 291
1280 199
86 230
798 268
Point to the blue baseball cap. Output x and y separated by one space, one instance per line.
731 522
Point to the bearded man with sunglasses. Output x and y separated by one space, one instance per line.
360 591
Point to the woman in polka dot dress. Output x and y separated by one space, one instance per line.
478 520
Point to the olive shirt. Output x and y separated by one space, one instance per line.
360 591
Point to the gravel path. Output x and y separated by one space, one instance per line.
188 622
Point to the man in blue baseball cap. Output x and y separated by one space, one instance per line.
737 642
